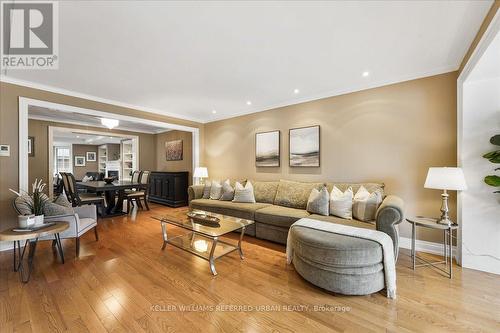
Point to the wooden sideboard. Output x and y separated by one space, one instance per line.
169 188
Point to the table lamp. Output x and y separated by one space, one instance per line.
445 179
201 172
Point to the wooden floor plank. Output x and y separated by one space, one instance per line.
126 283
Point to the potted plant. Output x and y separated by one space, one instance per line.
493 157
35 201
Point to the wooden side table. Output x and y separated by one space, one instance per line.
427 222
31 239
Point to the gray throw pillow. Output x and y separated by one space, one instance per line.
215 190
365 204
61 200
244 194
227 191
318 201
206 190
53 209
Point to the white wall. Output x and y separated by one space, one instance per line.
480 208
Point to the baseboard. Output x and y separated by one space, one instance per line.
424 246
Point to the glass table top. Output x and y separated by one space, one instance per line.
227 223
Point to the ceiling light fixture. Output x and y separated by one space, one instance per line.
249 102
365 74
214 111
110 123
296 91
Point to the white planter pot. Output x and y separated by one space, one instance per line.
39 219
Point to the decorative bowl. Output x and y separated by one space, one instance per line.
108 180
204 219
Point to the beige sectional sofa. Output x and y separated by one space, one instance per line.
281 203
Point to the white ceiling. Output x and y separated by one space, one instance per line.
75 137
41 113
189 58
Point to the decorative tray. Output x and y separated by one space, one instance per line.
204 219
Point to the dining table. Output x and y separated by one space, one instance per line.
111 191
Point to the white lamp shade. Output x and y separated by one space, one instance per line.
445 179
201 172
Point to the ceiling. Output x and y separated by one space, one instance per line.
75 137
41 113
186 59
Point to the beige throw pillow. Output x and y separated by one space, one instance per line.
365 204
341 203
206 190
318 201
244 194
227 191
215 190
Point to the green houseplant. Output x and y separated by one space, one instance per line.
35 201
493 157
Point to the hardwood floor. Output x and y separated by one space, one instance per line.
126 283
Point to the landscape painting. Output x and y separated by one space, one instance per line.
267 149
174 150
304 147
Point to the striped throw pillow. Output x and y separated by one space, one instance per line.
365 204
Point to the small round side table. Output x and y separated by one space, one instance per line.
427 222
31 238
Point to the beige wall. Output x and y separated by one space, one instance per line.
81 150
38 165
390 134
187 160
9 134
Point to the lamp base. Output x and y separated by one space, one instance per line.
445 221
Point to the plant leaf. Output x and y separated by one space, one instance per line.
495 159
491 154
492 180
495 140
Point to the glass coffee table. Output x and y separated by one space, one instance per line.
203 240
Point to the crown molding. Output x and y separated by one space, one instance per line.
40 86
213 118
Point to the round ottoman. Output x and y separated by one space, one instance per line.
338 263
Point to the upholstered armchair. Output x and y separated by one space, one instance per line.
82 220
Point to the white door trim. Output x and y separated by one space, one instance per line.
25 103
488 36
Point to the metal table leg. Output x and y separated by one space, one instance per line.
164 233
31 258
413 251
239 243
450 234
59 247
211 258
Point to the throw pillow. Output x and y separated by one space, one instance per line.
365 204
227 191
215 190
61 200
244 194
53 209
206 190
341 203
318 201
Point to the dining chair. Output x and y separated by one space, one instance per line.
140 193
78 199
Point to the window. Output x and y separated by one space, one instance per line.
62 160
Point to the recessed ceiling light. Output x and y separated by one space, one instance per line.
214 111
111 137
365 74
296 91
77 136
249 102
110 123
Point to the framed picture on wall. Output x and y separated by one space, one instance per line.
79 161
267 149
304 146
173 150
31 146
91 156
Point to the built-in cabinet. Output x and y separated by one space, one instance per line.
118 160
169 188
